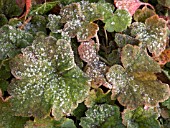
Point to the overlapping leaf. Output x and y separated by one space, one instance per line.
131 5
135 82
98 97
142 14
103 116
119 21
46 78
79 18
7 118
141 118
12 40
167 103
152 34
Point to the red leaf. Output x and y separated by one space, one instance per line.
130 5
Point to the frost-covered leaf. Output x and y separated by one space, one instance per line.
37 24
135 82
43 8
54 23
131 5
142 14
141 118
79 18
97 96
95 68
152 34
119 21
88 52
165 3
12 40
123 39
50 123
166 103
7 118
46 78
103 116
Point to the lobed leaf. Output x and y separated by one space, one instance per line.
79 18
12 40
141 118
142 14
7 117
119 21
46 78
152 34
103 116
131 5
135 82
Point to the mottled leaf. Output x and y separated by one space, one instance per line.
131 5
142 14
135 82
103 116
7 118
12 40
141 118
152 34
87 51
46 78
79 18
119 21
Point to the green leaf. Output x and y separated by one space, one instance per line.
166 103
9 8
141 118
142 14
3 20
119 21
152 34
80 111
7 118
12 40
47 78
50 123
136 82
103 116
43 8
97 96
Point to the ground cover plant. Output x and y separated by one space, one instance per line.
84 64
